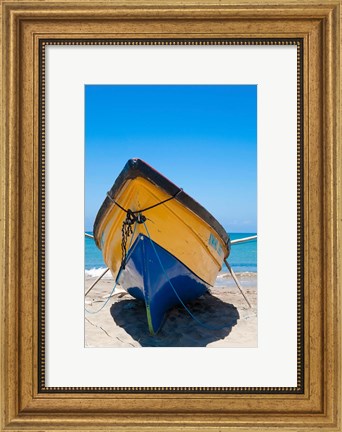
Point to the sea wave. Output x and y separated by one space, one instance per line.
96 272
246 274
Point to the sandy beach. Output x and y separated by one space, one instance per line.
122 321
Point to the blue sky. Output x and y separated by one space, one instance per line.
202 137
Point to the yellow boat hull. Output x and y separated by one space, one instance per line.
171 225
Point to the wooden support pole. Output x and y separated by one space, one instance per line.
99 278
237 282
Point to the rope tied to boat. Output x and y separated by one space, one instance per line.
116 281
136 212
202 324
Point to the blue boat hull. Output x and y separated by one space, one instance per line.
158 278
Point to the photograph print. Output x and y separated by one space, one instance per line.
170 216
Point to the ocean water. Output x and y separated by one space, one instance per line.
243 256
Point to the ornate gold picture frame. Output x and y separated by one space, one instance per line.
27 28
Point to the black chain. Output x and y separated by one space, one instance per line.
131 218
127 231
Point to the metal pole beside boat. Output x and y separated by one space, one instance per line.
246 239
99 278
237 282
102 274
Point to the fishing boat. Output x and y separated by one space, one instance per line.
161 245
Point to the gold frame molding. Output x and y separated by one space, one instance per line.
43 44
24 25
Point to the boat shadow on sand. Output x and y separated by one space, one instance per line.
179 329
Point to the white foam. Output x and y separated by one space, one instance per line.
227 275
96 272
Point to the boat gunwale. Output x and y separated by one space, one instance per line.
135 168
